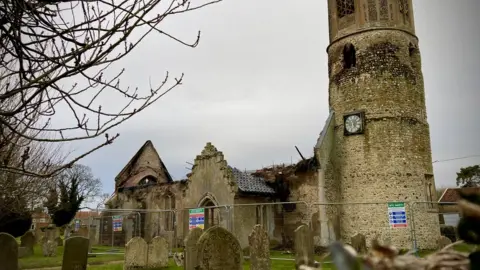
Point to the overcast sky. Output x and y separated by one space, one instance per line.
257 85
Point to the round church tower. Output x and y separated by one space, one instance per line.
382 149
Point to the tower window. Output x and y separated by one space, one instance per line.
345 7
349 56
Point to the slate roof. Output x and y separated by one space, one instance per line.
450 195
248 183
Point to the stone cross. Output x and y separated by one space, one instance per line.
28 241
304 247
190 242
8 252
75 256
157 253
259 249
218 249
136 251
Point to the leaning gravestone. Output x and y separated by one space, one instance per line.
304 247
259 249
190 242
157 253
27 241
136 251
443 241
8 252
75 256
218 249
359 243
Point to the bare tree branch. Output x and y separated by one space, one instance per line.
44 43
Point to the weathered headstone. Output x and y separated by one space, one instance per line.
91 236
259 244
49 244
359 243
27 241
83 231
136 251
218 249
8 252
75 256
304 247
190 242
157 253
443 241
59 241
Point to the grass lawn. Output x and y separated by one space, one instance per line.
38 261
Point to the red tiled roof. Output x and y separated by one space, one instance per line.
450 195
86 214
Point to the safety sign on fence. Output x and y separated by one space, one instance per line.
196 218
77 225
117 223
397 215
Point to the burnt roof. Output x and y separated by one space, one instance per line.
248 183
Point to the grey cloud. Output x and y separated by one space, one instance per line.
257 85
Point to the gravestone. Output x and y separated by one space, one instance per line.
157 253
443 241
259 249
91 236
218 249
190 242
8 252
83 231
359 243
49 243
136 251
59 241
75 256
27 241
304 247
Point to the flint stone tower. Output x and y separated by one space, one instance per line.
380 145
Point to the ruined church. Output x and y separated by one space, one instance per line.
374 148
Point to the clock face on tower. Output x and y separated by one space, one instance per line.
353 123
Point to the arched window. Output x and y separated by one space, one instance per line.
345 7
147 181
169 213
349 56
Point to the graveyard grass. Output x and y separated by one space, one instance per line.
39 261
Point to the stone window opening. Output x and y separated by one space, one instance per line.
169 213
147 181
430 191
345 7
349 56
411 49
261 215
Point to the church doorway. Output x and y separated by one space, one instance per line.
211 213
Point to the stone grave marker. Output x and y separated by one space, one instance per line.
304 247
443 241
259 249
218 249
75 256
8 252
157 253
27 241
59 241
190 242
359 243
136 251
49 243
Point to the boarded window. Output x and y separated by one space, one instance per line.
345 7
